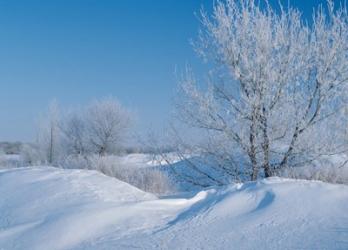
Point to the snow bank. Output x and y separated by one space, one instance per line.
271 214
48 208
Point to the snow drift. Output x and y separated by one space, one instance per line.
49 208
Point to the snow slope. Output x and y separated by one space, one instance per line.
48 208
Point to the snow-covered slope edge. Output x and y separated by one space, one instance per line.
48 208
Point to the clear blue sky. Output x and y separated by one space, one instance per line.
78 50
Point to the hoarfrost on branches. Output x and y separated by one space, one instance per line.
277 91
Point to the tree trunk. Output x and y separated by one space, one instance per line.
50 156
265 145
252 152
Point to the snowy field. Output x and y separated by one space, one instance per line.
50 208
248 150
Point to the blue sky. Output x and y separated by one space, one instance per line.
79 50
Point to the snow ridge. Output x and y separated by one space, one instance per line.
49 208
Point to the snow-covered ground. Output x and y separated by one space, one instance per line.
49 208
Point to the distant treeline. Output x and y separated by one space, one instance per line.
15 148
10 147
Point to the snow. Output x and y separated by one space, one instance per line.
143 160
10 161
49 208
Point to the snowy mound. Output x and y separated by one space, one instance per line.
47 208
271 214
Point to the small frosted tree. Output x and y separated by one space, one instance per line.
107 125
276 92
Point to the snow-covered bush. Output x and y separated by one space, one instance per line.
149 179
32 155
333 169
75 162
146 178
11 161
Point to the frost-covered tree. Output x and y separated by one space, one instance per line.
49 134
73 128
107 125
100 128
277 89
